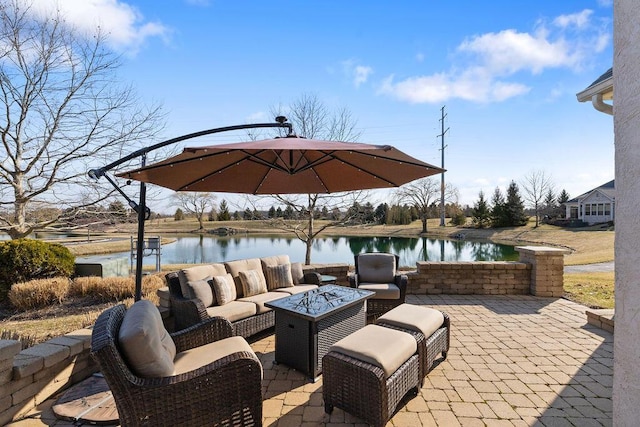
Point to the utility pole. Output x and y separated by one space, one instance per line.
442 210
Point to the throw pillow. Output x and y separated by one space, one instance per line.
224 288
279 276
201 289
253 282
296 273
146 345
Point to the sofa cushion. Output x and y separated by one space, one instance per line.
198 272
270 261
224 289
235 267
145 344
297 274
278 276
377 268
233 311
384 347
414 317
201 289
253 282
296 289
197 357
382 290
260 299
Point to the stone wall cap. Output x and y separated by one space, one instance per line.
542 250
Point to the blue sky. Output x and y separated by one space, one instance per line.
507 72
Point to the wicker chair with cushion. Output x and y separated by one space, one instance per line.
378 272
199 376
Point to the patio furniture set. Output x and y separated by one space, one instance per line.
370 347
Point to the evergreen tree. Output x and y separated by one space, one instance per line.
179 215
272 212
498 211
224 214
279 213
514 206
551 209
380 214
247 215
563 198
481 214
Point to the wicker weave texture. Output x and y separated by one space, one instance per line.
226 392
360 388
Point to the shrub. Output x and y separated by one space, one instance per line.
112 289
38 293
27 259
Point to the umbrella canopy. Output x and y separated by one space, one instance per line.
290 165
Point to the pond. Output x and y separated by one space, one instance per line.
210 249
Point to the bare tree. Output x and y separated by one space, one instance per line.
535 186
61 107
311 118
305 227
422 194
197 204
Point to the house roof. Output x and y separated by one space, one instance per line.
602 85
608 189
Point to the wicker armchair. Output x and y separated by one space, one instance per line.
378 272
226 391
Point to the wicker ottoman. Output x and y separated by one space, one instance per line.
368 373
432 325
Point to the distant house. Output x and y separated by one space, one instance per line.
595 206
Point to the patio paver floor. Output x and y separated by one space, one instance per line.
513 361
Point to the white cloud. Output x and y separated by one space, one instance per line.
124 25
489 66
359 74
420 57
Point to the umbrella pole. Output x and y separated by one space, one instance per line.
142 211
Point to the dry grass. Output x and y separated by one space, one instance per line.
595 290
38 293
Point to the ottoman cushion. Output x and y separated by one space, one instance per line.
383 347
422 319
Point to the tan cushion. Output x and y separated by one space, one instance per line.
235 267
253 282
224 289
271 261
145 344
198 272
260 299
297 274
382 290
233 311
296 289
197 357
201 289
376 268
417 318
278 276
383 347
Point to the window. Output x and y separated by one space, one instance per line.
600 209
587 210
607 209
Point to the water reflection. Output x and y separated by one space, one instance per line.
207 249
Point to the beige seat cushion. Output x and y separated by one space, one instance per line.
376 268
422 319
224 289
297 273
382 290
145 344
298 289
194 358
198 272
235 267
253 282
278 276
233 311
260 299
383 347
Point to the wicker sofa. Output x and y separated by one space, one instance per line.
247 314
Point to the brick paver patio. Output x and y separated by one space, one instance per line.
513 361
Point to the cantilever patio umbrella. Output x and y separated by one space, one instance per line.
288 165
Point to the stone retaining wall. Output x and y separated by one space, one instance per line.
31 376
